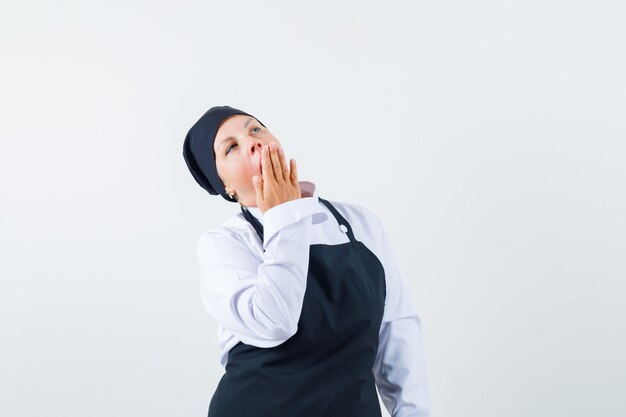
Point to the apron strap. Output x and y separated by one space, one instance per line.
254 222
344 226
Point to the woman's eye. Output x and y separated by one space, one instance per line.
228 149
256 128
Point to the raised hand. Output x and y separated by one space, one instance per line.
278 184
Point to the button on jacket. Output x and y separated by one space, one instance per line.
255 289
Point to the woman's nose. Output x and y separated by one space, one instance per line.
256 146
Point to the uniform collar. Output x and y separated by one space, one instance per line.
307 188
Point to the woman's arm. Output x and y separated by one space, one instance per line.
400 366
260 303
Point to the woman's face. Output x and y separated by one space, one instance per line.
237 147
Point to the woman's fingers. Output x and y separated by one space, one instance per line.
268 171
278 185
283 164
278 172
293 172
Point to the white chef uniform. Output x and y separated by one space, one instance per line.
244 282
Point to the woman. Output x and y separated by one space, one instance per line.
313 312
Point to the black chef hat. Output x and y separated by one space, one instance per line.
198 149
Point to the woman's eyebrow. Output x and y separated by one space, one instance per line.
248 122
232 137
223 142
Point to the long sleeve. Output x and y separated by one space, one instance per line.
400 367
260 300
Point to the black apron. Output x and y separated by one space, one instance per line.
325 369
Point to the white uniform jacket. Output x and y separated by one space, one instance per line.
256 297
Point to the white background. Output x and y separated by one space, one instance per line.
489 137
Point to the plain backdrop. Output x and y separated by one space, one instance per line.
489 137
